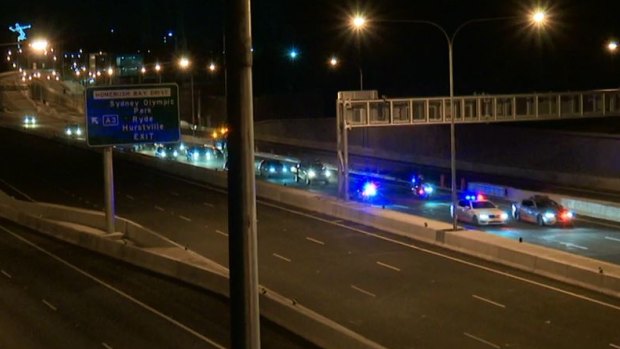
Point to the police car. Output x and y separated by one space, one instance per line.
476 209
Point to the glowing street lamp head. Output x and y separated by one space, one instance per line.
358 22
157 67
333 61
184 63
143 70
110 71
212 67
539 17
612 46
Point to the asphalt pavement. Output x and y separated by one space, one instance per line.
400 293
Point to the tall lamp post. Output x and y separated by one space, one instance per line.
538 17
184 63
358 24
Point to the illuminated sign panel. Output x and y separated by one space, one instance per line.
133 114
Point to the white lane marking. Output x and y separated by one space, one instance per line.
106 346
130 197
385 265
174 193
361 290
185 218
6 274
160 208
281 257
115 290
612 239
488 301
454 259
208 204
315 241
570 244
337 221
221 232
50 305
493 345
614 346
17 190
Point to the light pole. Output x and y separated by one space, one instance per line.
358 24
158 71
184 63
538 17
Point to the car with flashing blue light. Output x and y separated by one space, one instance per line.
541 210
167 151
477 210
312 172
273 168
30 120
203 153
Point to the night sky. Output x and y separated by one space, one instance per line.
398 59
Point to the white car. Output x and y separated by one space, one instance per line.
480 212
30 120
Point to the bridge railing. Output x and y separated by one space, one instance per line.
481 108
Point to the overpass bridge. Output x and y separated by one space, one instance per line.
364 109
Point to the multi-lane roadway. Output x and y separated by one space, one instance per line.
397 292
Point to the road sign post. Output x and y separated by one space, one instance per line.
127 115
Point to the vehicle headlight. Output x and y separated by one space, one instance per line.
208 156
175 153
163 154
311 174
68 132
549 215
327 173
284 169
195 156
272 170
182 147
484 217
78 132
504 216
429 189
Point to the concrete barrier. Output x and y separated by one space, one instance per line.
146 249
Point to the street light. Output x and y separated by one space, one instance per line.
158 70
358 23
39 45
612 46
110 73
333 61
184 63
537 17
212 67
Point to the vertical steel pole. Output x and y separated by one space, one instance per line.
452 135
191 86
339 116
242 249
108 177
345 158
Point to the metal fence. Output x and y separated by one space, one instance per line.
480 108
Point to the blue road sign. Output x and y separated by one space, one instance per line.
132 114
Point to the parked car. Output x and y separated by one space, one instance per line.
543 211
479 211
272 168
310 172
